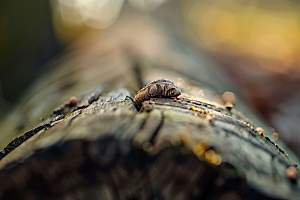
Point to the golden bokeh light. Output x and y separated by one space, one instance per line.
268 34
199 149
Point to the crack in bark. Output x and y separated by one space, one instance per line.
22 138
71 120
229 119
158 128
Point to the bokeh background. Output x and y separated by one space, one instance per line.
255 43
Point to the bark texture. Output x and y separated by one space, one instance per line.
102 147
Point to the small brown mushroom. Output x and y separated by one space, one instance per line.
292 174
228 106
72 101
261 131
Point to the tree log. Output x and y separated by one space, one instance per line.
100 146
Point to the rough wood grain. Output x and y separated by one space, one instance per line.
110 150
104 148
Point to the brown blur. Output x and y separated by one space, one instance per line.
258 44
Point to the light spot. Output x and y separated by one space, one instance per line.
193 108
275 136
216 159
228 97
209 155
198 149
292 174
261 131
209 117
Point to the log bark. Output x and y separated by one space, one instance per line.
102 147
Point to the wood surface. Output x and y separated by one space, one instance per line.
103 147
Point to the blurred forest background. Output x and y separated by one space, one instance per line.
256 43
